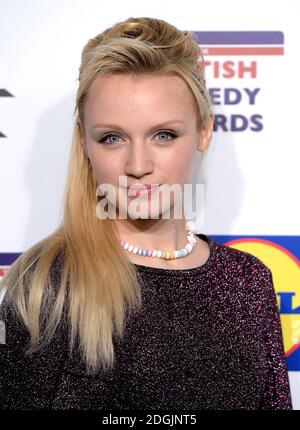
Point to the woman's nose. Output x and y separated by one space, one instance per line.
139 161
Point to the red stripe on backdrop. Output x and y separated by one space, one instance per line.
243 51
2 271
293 349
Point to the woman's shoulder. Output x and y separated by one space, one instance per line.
9 311
243 277
56 268
234 260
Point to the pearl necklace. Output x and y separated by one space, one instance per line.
167 255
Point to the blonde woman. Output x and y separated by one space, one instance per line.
139 312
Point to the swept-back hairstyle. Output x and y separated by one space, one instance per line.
97 283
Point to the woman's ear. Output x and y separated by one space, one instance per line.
206 134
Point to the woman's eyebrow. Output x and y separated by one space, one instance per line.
121 128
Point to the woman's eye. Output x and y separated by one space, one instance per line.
167 133
106 139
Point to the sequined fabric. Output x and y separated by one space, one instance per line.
206 338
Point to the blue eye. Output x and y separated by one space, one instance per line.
105 138
169 133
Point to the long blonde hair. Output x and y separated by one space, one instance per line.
97 282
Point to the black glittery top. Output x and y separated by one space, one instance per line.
206 338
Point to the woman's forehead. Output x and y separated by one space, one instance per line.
169 96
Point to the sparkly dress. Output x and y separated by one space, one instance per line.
206 338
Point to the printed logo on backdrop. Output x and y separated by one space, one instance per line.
282 255
4 93
233 61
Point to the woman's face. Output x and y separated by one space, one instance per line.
144 129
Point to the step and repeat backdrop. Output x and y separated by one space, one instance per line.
252 167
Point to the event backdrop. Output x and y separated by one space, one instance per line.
251 171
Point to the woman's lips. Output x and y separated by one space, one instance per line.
140 192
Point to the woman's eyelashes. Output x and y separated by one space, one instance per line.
104 140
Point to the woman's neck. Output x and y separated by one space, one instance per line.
164 234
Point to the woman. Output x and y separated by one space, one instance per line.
100 315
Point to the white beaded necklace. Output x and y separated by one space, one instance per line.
167 255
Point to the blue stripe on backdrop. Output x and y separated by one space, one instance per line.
239 37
